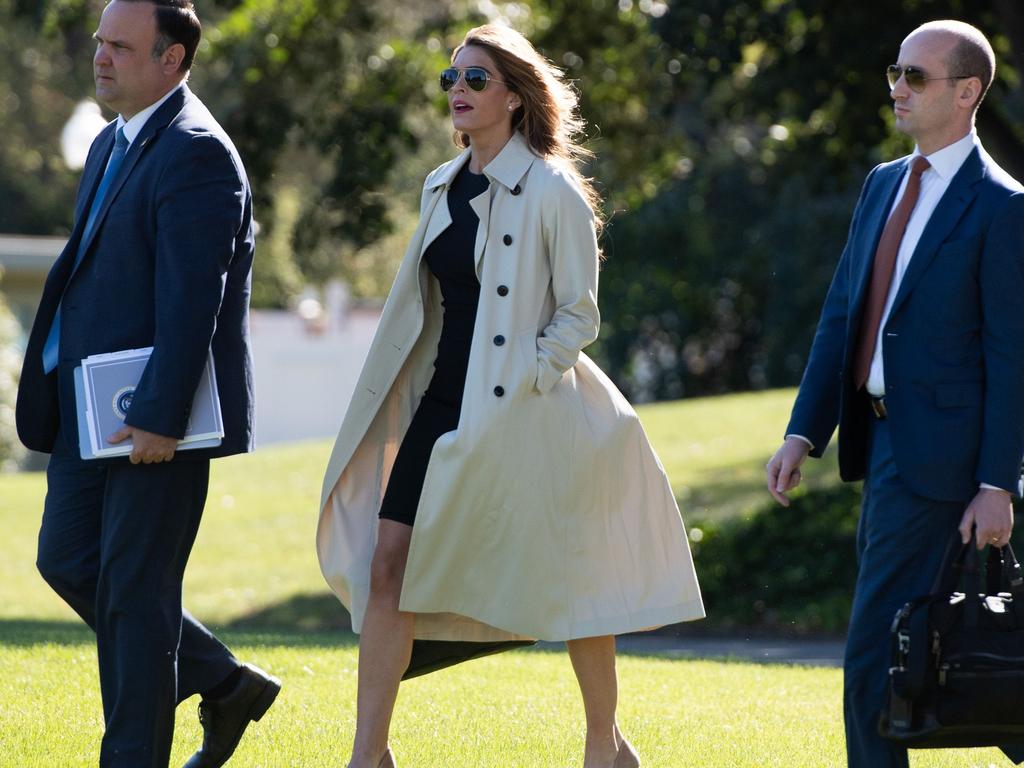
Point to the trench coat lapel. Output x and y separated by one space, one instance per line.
481 205
439 217
507 168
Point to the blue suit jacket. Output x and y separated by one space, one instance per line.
954 340
168 265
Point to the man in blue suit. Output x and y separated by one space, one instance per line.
919 359
160 255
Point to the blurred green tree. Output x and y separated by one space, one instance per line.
716 284
320 105
335 110
730 142
321 99
39 77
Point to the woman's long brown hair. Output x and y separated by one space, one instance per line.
549 116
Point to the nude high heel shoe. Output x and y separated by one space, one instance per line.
388 761
627 756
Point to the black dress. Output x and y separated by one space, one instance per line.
450 258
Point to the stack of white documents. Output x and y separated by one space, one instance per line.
104 387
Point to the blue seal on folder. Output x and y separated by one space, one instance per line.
123 401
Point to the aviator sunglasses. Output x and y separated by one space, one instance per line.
476 78
915 77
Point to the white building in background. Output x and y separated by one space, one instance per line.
306 369
24 264
306 362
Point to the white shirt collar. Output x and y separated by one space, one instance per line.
947 161
133 126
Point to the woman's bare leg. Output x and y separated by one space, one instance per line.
593 661
385 646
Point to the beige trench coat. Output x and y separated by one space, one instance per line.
546 513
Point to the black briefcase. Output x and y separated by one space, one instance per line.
957 674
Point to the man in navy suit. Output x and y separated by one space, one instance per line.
919 359
160 255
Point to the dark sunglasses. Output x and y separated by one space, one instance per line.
914 76
476 78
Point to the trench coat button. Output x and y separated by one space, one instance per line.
499 340
516 189
499 391
507 239
503 290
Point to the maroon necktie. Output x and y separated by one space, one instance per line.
881 272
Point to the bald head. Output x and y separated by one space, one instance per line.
967 51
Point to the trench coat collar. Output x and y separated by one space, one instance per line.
511 164
508 167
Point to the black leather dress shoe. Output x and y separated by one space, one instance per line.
225 720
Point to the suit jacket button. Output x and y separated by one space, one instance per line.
499 340
503 290
516 189
499 391
507 239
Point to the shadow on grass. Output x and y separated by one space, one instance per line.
21 633
305 620
301 621
310 612
27 633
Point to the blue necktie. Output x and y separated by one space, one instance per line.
52 346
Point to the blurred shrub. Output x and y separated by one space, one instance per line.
783 568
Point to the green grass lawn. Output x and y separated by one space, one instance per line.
253 574
518 710
254 561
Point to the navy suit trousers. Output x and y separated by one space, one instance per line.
113 544
901 540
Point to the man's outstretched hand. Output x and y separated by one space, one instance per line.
783 470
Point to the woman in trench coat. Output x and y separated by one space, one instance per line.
544 513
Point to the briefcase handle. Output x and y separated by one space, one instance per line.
959 562
1003 572
1011 577
1003 575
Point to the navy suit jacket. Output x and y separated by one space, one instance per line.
953 351
168 265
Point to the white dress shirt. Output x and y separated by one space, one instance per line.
133 126
934 183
